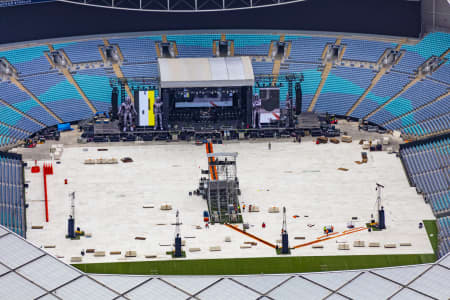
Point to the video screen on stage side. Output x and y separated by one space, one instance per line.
270 104
204 98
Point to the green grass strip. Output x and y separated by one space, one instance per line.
257 265
432 232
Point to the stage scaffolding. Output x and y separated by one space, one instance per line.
223 188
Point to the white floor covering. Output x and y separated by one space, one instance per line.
303 177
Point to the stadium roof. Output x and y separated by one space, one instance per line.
206 72
27 272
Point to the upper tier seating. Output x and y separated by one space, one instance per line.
364 50
138 49
28 60
81 51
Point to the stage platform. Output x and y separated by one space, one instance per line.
308 121
304 177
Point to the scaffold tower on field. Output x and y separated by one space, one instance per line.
223 188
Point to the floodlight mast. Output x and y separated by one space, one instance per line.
72 204
379 188
381 214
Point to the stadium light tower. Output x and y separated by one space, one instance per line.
381 218
284 235
178 252
71 220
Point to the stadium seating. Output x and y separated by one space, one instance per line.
429 111
28 60
428 127
12 201
428 168
138 49
194 45
20 100
307 49
341 90
434 43
364 50
419 94
409 113
95 85
443 225
83 51
250 44
59 95
13 118
389 85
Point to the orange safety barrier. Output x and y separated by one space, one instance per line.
330 234
212 169
251 235
346 232
47 169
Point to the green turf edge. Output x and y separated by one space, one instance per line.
266 265
432 233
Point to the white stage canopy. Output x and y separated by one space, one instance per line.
206 72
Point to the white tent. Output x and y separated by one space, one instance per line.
206 72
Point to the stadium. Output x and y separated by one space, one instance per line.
201 149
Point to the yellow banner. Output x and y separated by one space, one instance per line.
151 113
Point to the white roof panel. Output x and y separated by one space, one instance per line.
206 72
48 272
297 286
84 288
261 283
40 272
3 269
332 280
235 68
3 231
435 282
369 286
15 251
121 283
336 297
15 287
407 294
226 289
156 289
191 284
218 68
48 297
402 275
445 261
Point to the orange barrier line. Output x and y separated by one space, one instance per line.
333 233
332 237
44 171
250 235
212 169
